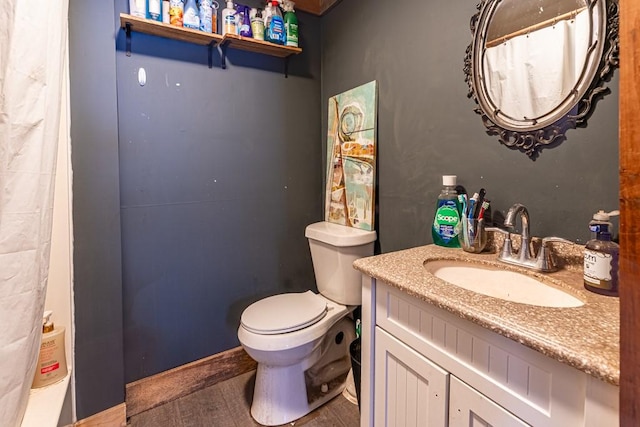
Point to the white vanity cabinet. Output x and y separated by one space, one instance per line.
423 366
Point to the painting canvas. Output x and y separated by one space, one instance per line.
351 157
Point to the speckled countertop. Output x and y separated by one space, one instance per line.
586 337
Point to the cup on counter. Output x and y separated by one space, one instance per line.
472 236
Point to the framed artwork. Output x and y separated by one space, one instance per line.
351 157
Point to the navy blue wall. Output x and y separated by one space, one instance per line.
191 194
220 172
99 365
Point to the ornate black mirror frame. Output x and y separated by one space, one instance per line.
532 139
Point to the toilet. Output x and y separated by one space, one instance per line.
301 340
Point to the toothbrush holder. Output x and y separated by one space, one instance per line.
472 236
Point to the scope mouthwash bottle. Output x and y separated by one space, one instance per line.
446 222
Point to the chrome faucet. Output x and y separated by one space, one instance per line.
524 256
544 261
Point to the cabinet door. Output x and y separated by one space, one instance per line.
409 389
469 408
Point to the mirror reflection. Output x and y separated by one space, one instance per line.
534 66
546 50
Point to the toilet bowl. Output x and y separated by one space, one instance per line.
301 340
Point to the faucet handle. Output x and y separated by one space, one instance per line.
544 260
507 248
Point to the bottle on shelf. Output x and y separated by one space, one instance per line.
257 24
290 24
205 15
191 15
274 28
154 10
245 23
229 19
176 12
138 8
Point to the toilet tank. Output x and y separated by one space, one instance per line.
334 248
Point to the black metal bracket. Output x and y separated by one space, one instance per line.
127 29
286 67
210 49
223 58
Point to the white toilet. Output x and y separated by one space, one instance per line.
301 340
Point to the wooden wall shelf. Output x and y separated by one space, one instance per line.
155 28
259 46
133 23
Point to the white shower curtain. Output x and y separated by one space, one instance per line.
33 40
530 74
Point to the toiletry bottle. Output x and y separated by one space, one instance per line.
257 25
154 10
52 365
176 12
601 257
274 30
446 222
229 19
206 12
191 15
245 25
138 8
290 24
165 12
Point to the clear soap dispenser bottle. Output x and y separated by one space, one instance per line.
601 256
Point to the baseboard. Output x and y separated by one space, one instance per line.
147 393
112 417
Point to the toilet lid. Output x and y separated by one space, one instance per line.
284 313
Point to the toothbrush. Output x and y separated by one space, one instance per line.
472 204
484 207
482 192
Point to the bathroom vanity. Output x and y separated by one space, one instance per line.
436 354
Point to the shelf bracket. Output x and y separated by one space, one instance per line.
223 58
210 49
286 67
127 29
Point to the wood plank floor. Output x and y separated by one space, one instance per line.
227 404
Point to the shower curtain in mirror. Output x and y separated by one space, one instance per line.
33 40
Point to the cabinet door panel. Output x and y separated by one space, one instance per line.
409 389
468 408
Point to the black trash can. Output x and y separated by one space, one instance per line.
354 351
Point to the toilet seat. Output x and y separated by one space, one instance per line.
284 313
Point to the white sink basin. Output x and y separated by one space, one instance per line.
498 283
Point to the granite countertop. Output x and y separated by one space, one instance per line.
585 337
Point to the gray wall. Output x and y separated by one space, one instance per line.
220 172
99 367
426 125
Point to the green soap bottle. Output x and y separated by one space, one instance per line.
446 222
290 24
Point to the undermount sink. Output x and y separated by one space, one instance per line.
499 283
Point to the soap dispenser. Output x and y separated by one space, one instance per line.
52 364
601 256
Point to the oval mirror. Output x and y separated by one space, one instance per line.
535 68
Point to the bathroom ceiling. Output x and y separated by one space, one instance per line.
316 7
